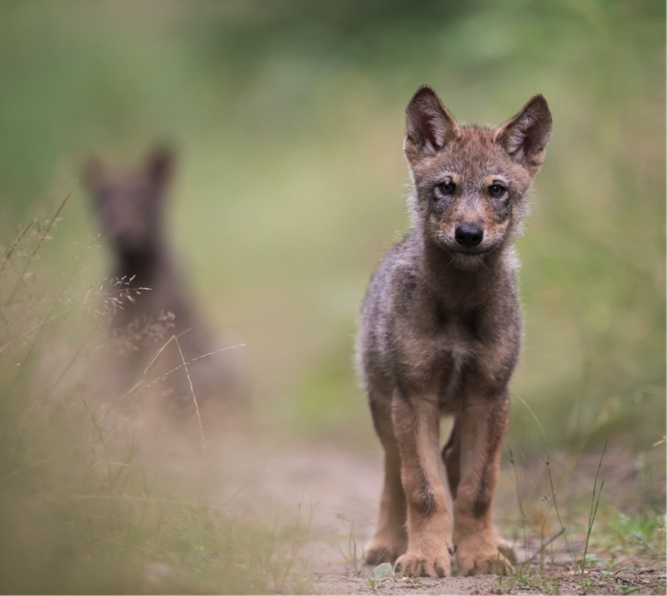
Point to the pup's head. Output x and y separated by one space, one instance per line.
129 201
469 181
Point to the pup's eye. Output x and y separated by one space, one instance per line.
447 188
496 190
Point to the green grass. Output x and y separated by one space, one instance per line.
626 556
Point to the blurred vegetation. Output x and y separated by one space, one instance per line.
288 120
88 501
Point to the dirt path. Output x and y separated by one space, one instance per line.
334 494
331 494
327 495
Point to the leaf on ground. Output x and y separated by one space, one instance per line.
382 570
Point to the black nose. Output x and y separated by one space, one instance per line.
469 235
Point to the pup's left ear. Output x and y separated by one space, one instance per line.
526 135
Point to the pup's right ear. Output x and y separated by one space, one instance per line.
428 125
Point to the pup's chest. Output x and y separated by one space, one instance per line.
442 352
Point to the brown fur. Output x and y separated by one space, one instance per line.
440 334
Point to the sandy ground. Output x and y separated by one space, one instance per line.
335 494
331 493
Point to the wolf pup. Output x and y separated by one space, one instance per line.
440 334
130 206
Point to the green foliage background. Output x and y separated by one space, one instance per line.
288 121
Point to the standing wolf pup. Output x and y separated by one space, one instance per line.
440 335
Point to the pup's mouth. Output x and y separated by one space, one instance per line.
468 252
457 250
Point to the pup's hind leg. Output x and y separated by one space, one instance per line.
390 537
451 457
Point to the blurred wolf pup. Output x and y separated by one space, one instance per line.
154 305
440 332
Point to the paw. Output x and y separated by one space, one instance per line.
377 552
483 560
415 564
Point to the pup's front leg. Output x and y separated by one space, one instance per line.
416 424
481 427
390 538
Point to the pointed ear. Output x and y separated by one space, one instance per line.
429 126
160 165
91 172
526 135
